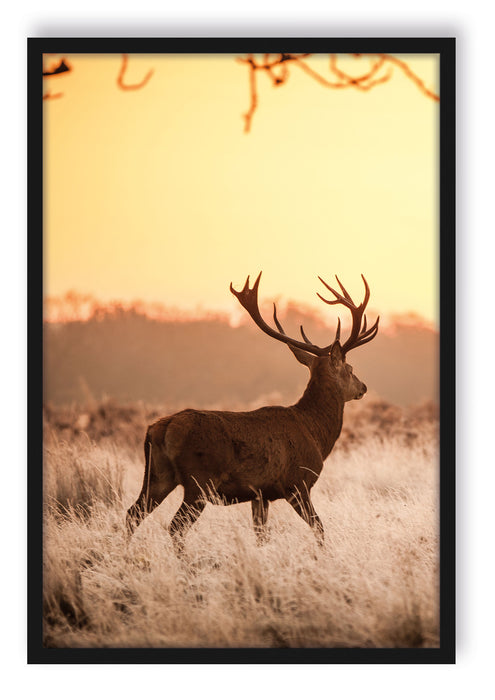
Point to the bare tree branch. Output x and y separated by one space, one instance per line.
276 66
339 78
134 86
52 96
362 82
412 76
252 92
62 67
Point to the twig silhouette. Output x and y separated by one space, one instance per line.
133 86
62 67
276 66
278 70
412 76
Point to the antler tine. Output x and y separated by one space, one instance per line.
277 322
246 284
369 335
248 298
366 333
280 328
344 290
339 298
366 293
359 333
305 337
337 333
301 355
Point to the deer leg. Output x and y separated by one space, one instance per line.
186 516
304 507
136 513
259 509
145 504
159 481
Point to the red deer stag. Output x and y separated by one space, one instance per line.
262 455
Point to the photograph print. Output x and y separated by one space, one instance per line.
240 266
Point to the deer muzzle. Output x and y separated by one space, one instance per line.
361 391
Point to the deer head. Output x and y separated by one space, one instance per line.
328 361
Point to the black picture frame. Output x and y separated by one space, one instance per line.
445 48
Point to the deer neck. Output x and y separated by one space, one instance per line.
321 407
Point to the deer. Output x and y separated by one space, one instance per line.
270 453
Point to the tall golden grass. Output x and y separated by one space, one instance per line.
374 583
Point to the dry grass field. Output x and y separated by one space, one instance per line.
374 583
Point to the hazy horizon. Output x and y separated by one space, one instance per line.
75 305
207 360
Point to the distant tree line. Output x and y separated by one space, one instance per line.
125 354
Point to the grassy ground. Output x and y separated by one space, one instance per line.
373 584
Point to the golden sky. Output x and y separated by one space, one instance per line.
158 194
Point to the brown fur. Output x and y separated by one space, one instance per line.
258 456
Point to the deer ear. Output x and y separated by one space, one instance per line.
305 358
336 354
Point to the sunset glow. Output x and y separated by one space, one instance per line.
158 194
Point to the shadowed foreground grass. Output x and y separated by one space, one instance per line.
373 584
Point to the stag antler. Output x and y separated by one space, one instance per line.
359 335
248 297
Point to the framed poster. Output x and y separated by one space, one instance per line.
295 499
